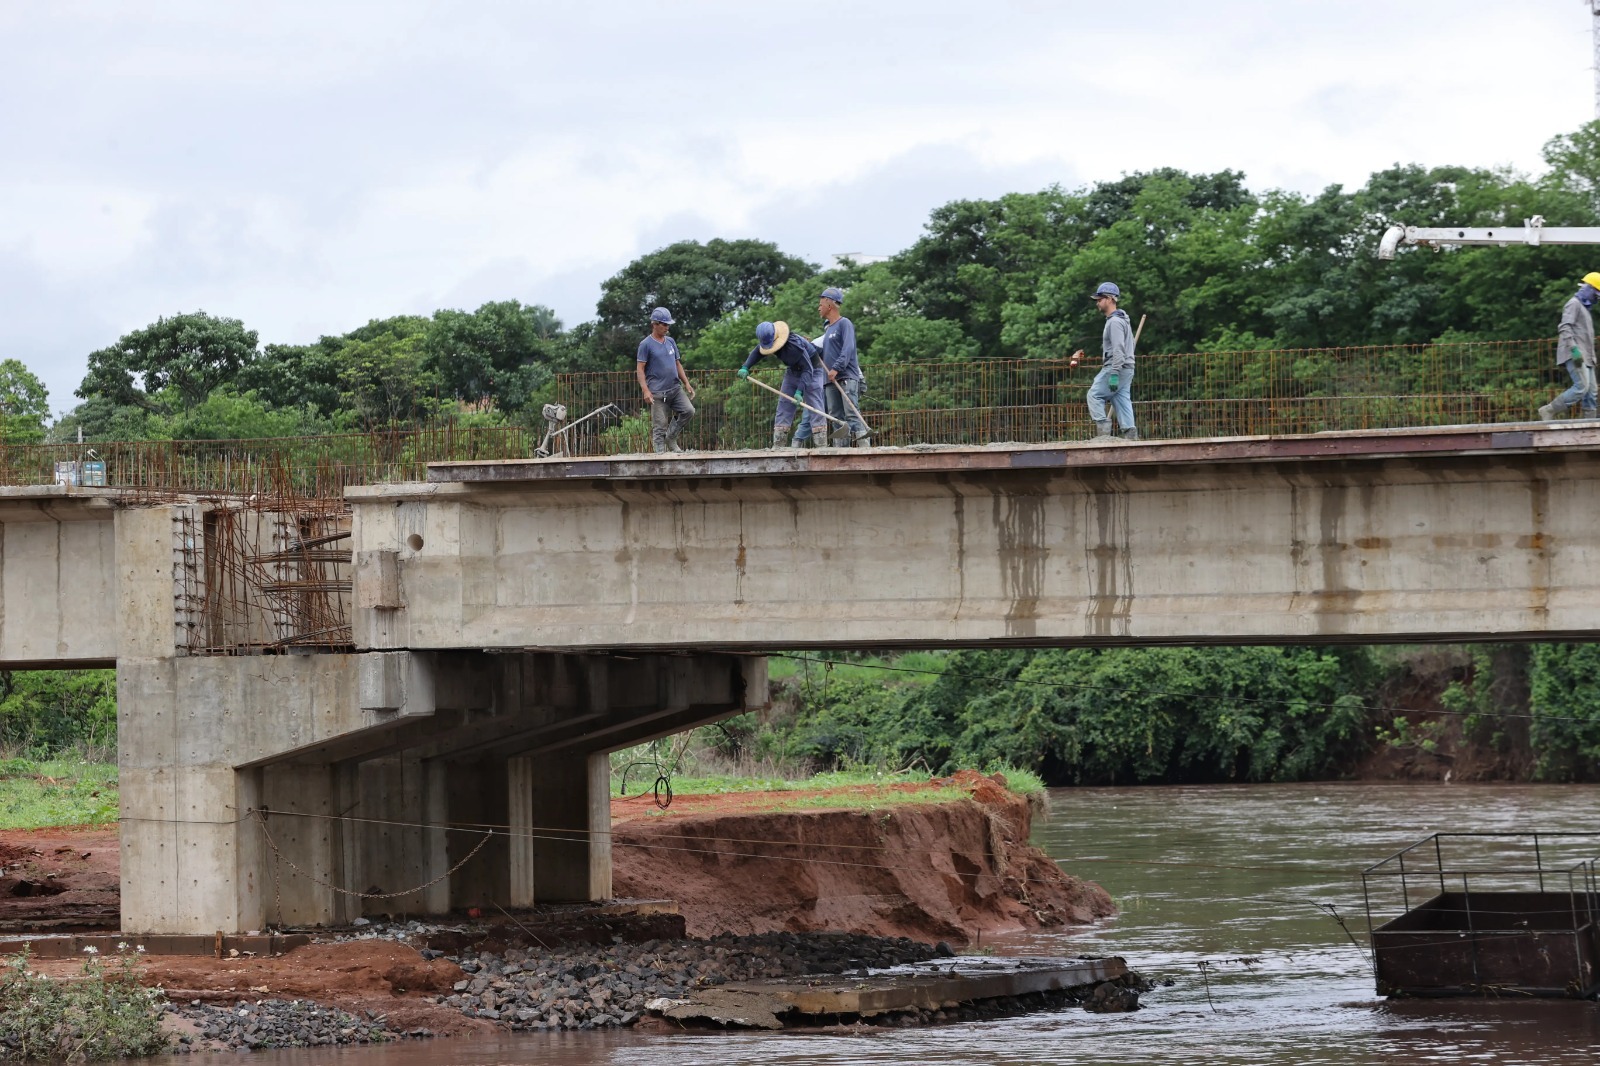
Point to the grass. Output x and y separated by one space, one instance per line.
35 794
1023 782
912 667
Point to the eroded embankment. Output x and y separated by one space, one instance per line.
952 870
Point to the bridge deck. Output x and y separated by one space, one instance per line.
1499 438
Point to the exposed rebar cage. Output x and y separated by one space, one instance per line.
257 576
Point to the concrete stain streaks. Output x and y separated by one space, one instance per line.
1110 563
1542 573
1019 520
960 511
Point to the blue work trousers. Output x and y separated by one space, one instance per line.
1582 390
836 408
809 381
1121 401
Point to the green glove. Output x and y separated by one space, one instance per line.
744 371
1114 379
799 395
1575 353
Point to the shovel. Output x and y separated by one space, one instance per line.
798 403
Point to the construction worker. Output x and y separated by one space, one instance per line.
843 370
665 386
802 373
1575 351
1114 383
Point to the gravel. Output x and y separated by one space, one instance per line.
583 987
594 988
281 1023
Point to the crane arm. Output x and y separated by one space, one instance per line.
1534 233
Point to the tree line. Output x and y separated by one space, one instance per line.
1216 266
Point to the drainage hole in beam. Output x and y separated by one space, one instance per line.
414 542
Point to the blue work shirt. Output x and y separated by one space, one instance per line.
839 349
795 354
660 359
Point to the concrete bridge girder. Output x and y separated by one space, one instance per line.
1307 546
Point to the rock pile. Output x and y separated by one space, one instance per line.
280 1023
593 988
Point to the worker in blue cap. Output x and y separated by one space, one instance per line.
1114 383
802 373
843 370
665 386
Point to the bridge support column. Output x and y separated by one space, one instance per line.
560 818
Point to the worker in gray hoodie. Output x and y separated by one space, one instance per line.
1114 383
1575 351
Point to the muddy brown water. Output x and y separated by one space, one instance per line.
1261 974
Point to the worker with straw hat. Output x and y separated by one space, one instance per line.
802 372
1575 351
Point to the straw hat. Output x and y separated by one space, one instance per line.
780 337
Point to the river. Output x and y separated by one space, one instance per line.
1218 889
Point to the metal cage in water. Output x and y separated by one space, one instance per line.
1483 914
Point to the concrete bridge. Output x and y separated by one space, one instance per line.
511 623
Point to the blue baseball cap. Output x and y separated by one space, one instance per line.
1107 288
836 295
661 314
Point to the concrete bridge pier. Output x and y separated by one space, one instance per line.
310 789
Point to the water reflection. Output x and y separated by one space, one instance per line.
1219 889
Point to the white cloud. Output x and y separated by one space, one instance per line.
307 167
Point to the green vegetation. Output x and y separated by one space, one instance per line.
1216 265
1024 782
1147 716
102 1014
56 792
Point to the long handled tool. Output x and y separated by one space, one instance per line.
851 404
1077 356
798 403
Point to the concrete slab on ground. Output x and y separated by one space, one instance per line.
920 986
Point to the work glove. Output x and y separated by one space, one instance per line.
799 395
744 371
1114 379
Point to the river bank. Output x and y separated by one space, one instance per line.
781 884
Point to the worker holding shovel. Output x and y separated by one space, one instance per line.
1114 383
839 362
802 372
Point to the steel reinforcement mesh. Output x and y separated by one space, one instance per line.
1214 394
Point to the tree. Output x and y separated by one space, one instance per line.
172 365
698 283
504 351
24 404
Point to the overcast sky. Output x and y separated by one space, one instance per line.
309 166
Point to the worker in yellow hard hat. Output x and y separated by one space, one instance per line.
1575 351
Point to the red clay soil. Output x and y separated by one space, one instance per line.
936 871
378 975
60 880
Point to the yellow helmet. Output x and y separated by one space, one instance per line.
1592 279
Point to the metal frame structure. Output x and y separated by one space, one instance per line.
1486 913
1533 232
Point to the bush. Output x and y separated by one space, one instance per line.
105 1013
